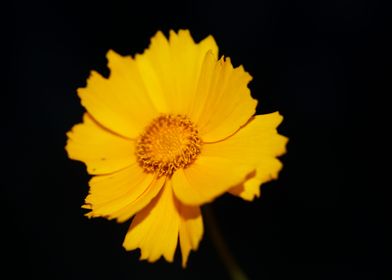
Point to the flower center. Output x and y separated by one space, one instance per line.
168 143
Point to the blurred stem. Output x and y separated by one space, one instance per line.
223 251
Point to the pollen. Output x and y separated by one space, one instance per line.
168 143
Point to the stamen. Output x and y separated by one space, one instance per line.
168 143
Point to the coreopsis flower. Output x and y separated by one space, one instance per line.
168 131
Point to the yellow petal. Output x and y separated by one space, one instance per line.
207 178
102 151
223 101
191 229
258 144
120 195
155 228
250 189
121 102
256 141
228 163
171 68
128 211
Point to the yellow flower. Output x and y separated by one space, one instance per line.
170 130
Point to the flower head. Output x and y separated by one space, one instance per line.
168 131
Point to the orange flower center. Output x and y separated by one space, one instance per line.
168 143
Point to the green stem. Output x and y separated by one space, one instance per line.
223 251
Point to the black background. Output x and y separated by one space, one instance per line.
320 63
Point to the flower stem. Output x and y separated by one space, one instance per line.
221 247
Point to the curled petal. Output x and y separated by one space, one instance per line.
122 194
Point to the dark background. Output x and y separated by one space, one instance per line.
320 63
